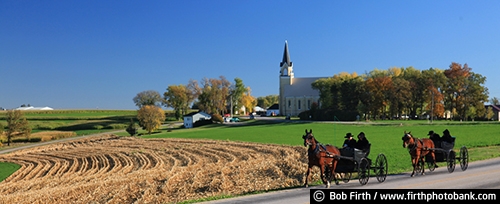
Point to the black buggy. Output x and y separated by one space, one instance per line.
445 153
357 161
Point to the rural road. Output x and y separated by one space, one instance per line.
479 175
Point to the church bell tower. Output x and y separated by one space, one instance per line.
286 78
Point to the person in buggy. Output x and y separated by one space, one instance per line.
447 136
349 142
362 143
435 138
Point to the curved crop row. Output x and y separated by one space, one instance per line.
113 169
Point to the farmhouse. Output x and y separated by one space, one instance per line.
296 94
191 118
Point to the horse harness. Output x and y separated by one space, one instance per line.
320 148
414 146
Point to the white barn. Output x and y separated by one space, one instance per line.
191 118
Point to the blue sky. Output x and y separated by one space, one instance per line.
100 54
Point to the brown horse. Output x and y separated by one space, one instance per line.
321 156
418 148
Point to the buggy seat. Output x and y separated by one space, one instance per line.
359 154
448 146
356 154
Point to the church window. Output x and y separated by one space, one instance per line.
299 104
308 104
289 104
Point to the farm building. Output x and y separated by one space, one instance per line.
496 111
273 110
34 108
191 118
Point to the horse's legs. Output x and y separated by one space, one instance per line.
323 176
334 164
413 163
422 161
309 168
433 157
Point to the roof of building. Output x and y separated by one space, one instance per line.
274 107
301 87
495 107
195 113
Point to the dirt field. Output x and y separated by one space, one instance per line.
113 169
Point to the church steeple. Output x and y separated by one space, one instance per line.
285 64
286 56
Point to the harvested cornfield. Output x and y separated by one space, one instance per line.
113 169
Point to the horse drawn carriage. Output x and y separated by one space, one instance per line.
357 161
444 153
342 162
427 151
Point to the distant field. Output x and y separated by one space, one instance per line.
74 114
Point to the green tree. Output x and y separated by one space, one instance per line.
151 117
177 98
132 128
325 93
419 90
236 94
149 97
267 101
17 125
214 95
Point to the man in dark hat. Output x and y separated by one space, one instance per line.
435 138
447 137
349 142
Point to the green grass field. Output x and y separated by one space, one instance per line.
6 169
384 137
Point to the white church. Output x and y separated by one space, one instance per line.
296 94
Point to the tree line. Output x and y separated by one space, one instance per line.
457 92
212 95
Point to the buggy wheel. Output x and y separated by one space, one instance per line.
381 167
464 158
363 171
450 161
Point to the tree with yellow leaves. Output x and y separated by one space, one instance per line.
248 100
150 117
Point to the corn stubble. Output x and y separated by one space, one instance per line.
113 169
